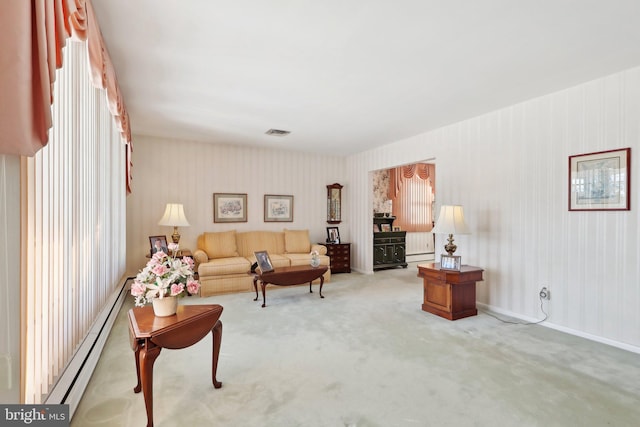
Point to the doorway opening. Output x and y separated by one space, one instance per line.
406 196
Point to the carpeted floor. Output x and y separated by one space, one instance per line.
367 355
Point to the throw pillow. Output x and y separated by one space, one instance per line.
221 244
297 241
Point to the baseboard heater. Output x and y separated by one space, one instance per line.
73 381
424 256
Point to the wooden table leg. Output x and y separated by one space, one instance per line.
148 357
264 298
321 283
255 287
217 341
136 355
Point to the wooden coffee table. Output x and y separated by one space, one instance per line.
287 276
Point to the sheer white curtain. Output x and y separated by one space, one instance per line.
73 226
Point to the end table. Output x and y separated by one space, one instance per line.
150 334
448 293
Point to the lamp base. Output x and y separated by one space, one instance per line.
450 247
175 236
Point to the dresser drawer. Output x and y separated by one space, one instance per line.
340 257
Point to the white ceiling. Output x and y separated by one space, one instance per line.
345 76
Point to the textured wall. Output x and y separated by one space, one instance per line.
509 170
190 172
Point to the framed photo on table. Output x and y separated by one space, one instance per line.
450 262
158 244
229 207
264 262
278 208
600 181
333 235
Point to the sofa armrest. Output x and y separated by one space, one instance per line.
200 256
321 249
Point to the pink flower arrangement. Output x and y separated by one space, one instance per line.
165 275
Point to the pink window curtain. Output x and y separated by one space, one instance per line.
410 190
32 37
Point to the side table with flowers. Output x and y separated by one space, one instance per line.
165 279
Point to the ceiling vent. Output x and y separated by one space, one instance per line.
277 132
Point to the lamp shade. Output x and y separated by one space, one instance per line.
451 221
174 216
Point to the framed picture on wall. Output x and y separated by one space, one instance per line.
229 207
600 181
278 208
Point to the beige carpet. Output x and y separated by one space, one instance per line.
367 355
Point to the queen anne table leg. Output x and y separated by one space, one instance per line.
217 341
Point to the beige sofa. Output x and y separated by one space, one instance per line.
223 259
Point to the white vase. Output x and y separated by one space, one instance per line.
315 261
163 307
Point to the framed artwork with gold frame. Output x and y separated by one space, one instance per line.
278 208
228 207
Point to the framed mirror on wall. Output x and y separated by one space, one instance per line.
334 200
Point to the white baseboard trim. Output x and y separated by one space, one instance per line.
596 338
72 383
420 257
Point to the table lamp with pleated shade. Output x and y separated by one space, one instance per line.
451 221
174 217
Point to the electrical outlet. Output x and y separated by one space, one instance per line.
545 293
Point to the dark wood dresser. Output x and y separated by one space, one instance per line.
340 255
389 250
389 246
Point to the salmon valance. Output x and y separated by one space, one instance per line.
424 171
33 35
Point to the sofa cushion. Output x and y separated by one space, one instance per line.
297 241
277 260
224 266
220 245
252 241
305 259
